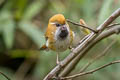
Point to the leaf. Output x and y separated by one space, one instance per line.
20 6
33 32
32 10
58 9
79 1
24 53
7 28
9 34
88 10
105 10
42 68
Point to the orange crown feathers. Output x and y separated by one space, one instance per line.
58 18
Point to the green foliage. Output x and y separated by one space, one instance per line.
32 31
20 6
6 71
31 18
7 28
32 10
105 10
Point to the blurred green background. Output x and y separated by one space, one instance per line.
22 28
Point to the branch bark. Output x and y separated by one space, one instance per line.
91 71
98 56
74 62
5 76
83 48
95 31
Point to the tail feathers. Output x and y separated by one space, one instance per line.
86 31
44 47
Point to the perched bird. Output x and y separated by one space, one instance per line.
59 36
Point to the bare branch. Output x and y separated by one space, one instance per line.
5 76
71 66
87 44
83 48
91 71
115 24
97 57
95 31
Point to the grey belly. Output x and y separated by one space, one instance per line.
62 45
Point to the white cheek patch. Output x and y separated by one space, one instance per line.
47 43
68 29
57 32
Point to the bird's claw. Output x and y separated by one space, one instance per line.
58 63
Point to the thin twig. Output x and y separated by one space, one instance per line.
115 24
81 50
95 31
105 34
5 76
91 71
98 56
84 39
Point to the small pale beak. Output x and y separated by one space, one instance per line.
64 27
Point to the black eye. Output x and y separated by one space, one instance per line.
58 25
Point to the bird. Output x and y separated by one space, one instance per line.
59 36
84 30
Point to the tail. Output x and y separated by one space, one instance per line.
84 30
44 47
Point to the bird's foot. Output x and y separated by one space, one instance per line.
71 49
58 63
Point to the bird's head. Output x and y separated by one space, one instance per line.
59 24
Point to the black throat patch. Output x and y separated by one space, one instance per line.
63 34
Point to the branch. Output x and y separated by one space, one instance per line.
91 43
115 24
74 62
91 71
81 49
98 56
5 76
95 31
